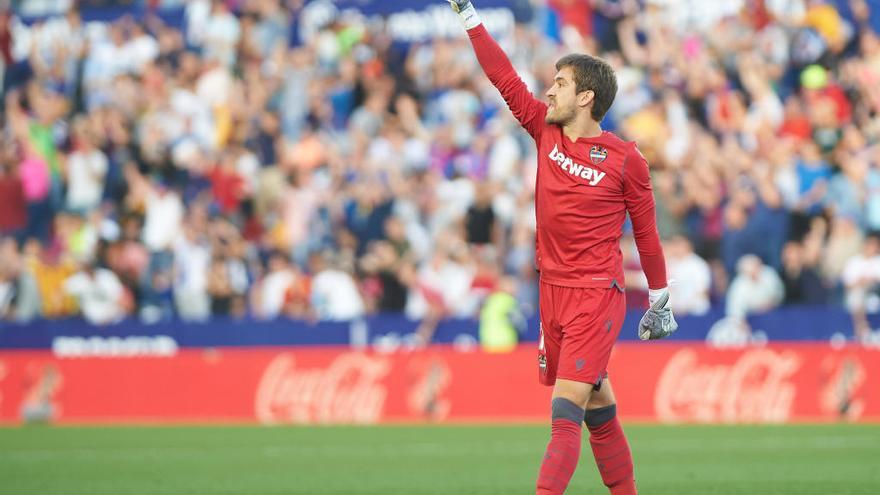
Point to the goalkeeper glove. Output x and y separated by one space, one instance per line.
465 9
658 321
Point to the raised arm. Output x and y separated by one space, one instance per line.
527 109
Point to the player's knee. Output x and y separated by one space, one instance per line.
576 392
562 408
595 418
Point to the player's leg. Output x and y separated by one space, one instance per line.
568 401
561 457
571 390
609 444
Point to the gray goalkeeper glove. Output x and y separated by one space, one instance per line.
658 321
465 9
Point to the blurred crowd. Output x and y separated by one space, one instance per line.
229 167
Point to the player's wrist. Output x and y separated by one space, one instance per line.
467 13
654 295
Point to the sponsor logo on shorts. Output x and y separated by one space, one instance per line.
579 364
608 325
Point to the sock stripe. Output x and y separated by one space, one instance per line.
613 470
599 416
616 454
563 408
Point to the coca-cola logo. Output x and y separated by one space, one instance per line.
348 390
755 388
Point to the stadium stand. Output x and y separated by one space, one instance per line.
264 158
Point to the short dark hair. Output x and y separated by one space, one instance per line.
594 74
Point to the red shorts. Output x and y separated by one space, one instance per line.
578 329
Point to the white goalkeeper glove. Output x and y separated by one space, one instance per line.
658 321
465 9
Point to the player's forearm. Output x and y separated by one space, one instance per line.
654 266
525 108
650 250
492 58
494 62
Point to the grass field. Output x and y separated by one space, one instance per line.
679 460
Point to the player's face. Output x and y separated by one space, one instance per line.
563 99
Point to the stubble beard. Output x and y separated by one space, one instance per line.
559 117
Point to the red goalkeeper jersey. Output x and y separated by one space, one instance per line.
584 190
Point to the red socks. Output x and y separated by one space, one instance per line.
611 450
564 449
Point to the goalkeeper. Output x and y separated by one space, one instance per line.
588 180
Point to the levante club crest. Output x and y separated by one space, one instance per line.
598 154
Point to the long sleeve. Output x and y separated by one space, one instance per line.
527 109
639 199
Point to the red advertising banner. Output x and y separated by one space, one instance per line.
664 382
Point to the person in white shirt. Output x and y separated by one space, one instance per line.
106 59
192 257
163 218
99 293
861 278
140 49
272 290
691 275
756 288
221 34
86 169
335 295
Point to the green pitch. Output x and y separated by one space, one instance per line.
670 460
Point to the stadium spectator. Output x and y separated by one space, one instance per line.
755 289
802 280
334 295
6 42
480 223
19 300
268 295
813 174
844 242
847 193
861 278
219 288
100 295
13 215
9 273
127 256
50 270
443 286
196 277
221 34
387 274
501 320
691 277
86 170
